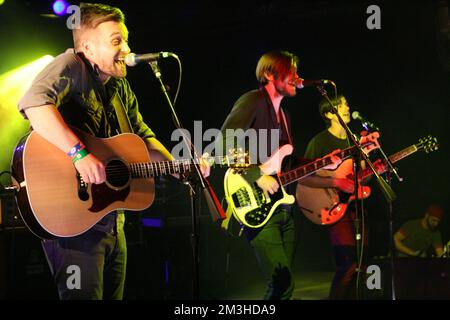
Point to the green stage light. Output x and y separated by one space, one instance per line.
13 85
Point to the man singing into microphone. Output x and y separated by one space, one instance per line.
261 110
342 233
83 88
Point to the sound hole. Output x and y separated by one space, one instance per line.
117 174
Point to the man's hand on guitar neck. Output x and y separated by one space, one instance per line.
369 137
336 161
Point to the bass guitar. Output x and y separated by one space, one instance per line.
250 205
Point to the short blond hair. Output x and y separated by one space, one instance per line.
93 14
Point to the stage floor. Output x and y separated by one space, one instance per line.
308 286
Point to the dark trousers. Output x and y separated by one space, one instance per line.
274 246
342 237
90 266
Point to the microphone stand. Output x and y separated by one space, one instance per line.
390 169
201 183
391 243
357 157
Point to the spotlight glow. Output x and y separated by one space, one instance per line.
60 7
13 85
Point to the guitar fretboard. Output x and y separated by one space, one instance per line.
303 171
403 153
393 158
152 169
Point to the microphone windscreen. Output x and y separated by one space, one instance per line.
355 115
130 60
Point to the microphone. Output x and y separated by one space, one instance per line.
365 123
133 59
300 83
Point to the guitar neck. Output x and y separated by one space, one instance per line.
403 153
393 158
153 169
160 168
303 171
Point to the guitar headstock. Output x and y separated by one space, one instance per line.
238 159
428 144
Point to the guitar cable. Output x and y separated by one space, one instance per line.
360 258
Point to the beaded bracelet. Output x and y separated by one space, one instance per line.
80 155
75 149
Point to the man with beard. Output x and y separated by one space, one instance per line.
416 237
261 111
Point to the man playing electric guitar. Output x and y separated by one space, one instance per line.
342 233
260 112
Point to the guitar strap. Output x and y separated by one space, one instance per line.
122 117
286 126
125 127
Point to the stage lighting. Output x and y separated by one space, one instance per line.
13 85
60 7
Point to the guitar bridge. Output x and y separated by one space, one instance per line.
241 198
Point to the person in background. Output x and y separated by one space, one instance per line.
421 237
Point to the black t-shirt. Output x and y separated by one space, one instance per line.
418 238
324 143
342 232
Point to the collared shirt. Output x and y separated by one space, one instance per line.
72 85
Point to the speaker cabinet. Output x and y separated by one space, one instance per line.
24 272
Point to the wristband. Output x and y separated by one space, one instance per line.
80 155
75 149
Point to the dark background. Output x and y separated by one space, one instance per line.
398 77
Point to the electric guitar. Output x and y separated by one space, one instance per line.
325 206
54 201
250 205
